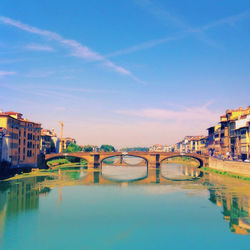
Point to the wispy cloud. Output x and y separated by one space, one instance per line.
231 20
41 92
145 45
14 60
202 113
77 49
39 74
160 13
185 29
7 73
39 47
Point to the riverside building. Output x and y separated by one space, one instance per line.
23 138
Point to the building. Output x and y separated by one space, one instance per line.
242 137
158 148
4 145
66 141
48 141
235 133
24 138
230 138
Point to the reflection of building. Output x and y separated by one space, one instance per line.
24 138
48 141
16 197
236 210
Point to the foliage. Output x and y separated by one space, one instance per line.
107 148
83 162
88 148
67 160
58 162
72 148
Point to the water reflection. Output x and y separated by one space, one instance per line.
179 172
233 196
124 174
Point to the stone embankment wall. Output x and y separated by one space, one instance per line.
241 168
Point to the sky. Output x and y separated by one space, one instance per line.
127 72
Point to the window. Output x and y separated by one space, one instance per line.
243 132
29 153
13 145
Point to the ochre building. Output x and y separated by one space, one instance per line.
24 138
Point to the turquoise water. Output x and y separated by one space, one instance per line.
175 207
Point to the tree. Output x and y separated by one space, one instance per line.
73 148
107 148
87 148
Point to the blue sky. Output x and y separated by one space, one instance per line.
134 72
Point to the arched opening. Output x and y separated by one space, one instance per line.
124 160
124 168
184 159
181 168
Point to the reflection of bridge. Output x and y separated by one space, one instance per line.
153 159
92 177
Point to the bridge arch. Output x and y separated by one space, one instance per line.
200 160
63 156
124 155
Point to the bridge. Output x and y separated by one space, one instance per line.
152 159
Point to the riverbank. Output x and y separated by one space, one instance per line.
225 173
183 160
234 168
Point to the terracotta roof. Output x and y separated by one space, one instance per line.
12 113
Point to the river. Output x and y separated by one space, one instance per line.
125 207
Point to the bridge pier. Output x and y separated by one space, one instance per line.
154 161
94 161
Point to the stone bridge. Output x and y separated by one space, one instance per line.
152 159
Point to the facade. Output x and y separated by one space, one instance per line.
66 141
234 133
4 146
48 141
24 138
159 148
230 138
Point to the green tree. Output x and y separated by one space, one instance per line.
107 148
73 148
87 148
